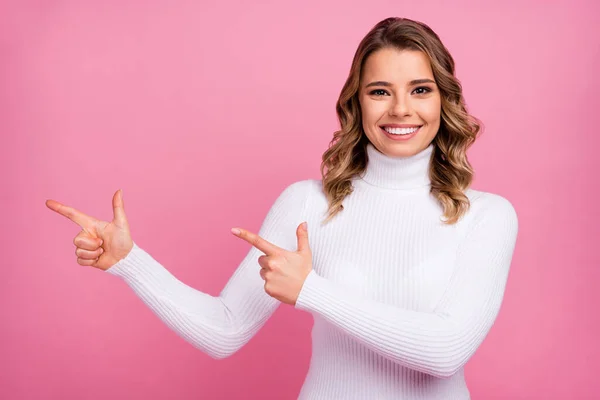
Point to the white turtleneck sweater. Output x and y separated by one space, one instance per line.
400 300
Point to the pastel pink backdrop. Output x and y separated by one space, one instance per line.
202 112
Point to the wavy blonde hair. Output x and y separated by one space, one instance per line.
450 171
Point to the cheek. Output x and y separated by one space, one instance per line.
431 112
372 111
366 114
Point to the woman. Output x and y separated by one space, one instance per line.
402 264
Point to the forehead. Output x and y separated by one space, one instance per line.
396 66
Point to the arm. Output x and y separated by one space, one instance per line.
438 342
219 326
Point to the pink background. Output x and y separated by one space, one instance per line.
202 112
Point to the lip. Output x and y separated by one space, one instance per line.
400 125
400 138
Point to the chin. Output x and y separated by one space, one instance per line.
407 148
401 151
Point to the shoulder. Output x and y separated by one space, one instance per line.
491 206
302 188
295 195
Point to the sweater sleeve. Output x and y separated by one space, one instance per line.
439 342
217 325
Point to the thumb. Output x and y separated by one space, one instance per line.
118 209
302 234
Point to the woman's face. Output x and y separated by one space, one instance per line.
389 97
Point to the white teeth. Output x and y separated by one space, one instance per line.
400 131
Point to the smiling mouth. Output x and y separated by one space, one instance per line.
401 131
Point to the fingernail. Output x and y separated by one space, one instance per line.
305 226
235 231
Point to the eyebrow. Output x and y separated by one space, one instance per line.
411 83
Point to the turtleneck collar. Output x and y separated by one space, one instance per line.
397 172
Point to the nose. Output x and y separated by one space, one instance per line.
399 106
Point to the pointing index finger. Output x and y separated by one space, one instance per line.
258 242
81 219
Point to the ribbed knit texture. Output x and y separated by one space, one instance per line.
400 300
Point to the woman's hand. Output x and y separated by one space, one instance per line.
100 244
284 272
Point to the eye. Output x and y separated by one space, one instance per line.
427 90
377 90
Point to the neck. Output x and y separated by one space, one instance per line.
389 172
